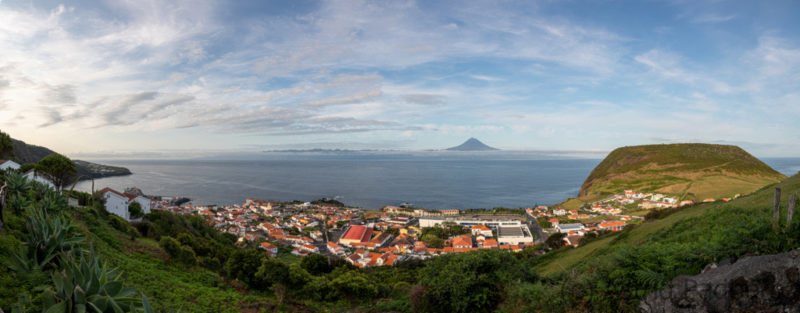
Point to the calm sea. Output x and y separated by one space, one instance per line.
370 181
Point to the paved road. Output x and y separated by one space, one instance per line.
534 226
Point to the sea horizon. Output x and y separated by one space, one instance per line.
370 181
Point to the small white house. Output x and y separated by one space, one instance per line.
144 202
8 164
31 175
116 203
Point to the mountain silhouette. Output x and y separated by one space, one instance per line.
472 144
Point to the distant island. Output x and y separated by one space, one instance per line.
472 144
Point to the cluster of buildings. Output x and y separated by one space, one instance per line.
30 174
372 245
118 203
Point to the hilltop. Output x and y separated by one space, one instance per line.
27 153
693 171
472 144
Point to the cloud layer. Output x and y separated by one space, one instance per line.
522 75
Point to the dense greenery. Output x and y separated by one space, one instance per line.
47 266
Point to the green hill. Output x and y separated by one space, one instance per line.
615 271
693 171
27 153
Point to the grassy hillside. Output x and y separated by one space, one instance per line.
614 272
693 171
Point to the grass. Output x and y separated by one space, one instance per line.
170 288
707 171
644 233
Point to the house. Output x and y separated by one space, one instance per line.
143 201
450 212
559 212
481 230
490 243
335 249
464 241
573 240
271 249
8 164
33 176
566 228
116 202
611 225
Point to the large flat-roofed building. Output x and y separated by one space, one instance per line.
514 235
356 233
493 221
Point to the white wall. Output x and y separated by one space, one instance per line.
117 205
144 202
33 176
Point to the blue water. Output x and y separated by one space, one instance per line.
368 181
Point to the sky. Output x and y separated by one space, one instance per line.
186 77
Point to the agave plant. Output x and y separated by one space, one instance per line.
18 184
52 201
18 203
86 284
40 189
48 235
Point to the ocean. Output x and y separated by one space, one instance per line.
368 181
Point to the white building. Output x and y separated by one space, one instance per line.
566 228
559 212
8 164
32 176
144 202
488 220
116 203
514 235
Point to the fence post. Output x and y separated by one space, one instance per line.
790 214
776 210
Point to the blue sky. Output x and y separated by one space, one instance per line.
191 77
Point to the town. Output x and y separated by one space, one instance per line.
367 238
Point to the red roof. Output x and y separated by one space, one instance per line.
107 189
358 232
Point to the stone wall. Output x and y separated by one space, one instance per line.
769 283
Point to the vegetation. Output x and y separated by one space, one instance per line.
57 168
6 146
135 209
695 171
614 272
181 263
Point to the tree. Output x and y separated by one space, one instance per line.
243 265
469 282
555 241
135 210
315 264
6 146
57 168
433 241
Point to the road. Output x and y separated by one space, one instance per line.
534 226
